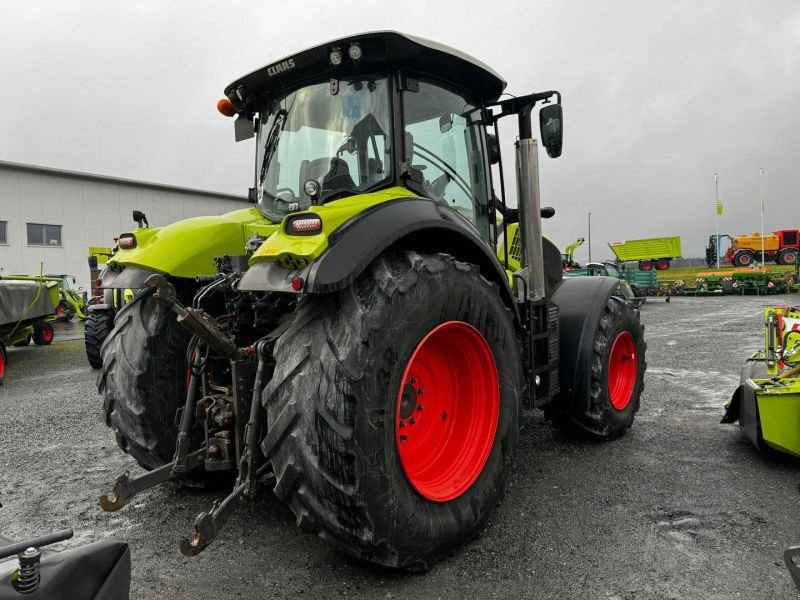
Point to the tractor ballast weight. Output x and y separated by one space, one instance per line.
366 347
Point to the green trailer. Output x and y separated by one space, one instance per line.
646 281
650 253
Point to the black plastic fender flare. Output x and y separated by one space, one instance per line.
406 223
581 302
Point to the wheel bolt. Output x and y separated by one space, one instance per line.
420 391
402 423
404 438
413 422
444 416
419 407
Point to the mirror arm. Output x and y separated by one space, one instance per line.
513 106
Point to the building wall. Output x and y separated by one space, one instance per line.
91 210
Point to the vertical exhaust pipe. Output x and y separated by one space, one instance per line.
530 217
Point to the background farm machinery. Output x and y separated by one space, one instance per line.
27 305
767 401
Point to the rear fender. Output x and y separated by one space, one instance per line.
408 223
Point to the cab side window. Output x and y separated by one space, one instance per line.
445 141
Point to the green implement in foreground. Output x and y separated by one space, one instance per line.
652 253
767 402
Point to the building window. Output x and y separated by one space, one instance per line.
3 232
40 234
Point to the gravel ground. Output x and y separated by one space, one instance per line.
681 507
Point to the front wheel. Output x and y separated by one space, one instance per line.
743 258
787 256
394 410
617 374
63 312
99 324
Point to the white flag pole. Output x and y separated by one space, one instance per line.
762 217
716 213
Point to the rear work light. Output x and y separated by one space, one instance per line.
127 241
304 226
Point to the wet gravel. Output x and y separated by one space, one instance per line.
681 507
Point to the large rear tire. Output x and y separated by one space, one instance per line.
99 324
143 380
367 374
617 374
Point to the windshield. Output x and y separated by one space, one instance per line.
339 138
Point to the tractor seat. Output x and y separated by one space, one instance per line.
338 177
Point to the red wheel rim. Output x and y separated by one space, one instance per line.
60 310
622 368
2 365
648 266
447 411
47 333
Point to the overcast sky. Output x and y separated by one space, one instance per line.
658 96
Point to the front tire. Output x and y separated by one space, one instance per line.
143 380
743 258
347 386
617 374
787 256
99 324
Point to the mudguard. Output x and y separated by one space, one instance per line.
187 248
414 223
98 571
581 302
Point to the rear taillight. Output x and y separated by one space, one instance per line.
304 225
127 241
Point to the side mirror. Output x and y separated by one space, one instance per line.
93 263
140 219
445 123
551 127
492 149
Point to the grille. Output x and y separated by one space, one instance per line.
516 247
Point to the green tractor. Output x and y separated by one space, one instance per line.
72 303
358 340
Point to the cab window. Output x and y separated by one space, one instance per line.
444 140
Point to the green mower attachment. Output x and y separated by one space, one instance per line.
767 402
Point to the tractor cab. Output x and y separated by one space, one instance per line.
368 113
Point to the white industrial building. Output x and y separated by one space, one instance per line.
52 216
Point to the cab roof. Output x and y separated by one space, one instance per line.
381 51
